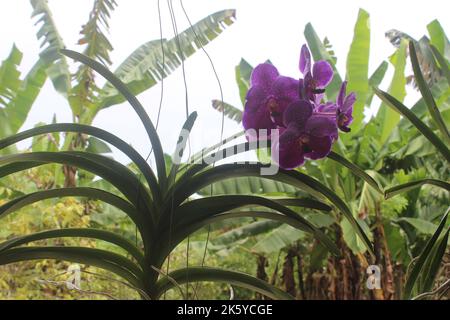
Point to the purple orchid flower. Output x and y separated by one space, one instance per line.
268 97
316 78
344 108
305 135
341 110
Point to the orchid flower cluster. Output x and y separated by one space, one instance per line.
308 126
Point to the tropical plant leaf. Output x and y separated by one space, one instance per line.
228 110
443 63
357 171
196 274
278 239
103 235
426 94
95 132
358 66
143 68
58 70
10 76
98 47
391 192
418 266
230 238
422 127
389 118
17 96
320 52
375 80
19 107
438 38
181 146
99 258
249 186
243 72
432 266
297 179
137 106
423 226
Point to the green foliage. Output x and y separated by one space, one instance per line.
389 118
58 71
16 95
151 211
143 68
358 66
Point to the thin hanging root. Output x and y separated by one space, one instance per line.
174 282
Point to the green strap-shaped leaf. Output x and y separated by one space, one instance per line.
113 262
426 94
433 264
115 173
181 146
391 192
417 268
357 171
243 72
95 132
137 106
422 127
294 178
119 203
103 235
196 274
195 211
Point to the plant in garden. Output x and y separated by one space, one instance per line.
373 198
161 209
141 70
387 148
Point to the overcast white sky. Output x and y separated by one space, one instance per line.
264 29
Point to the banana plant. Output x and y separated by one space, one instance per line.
17 96
145 67
160 205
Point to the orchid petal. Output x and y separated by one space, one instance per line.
264 75
298 113
320 146
305 60
322 74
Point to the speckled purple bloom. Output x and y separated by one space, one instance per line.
304 135
268 97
